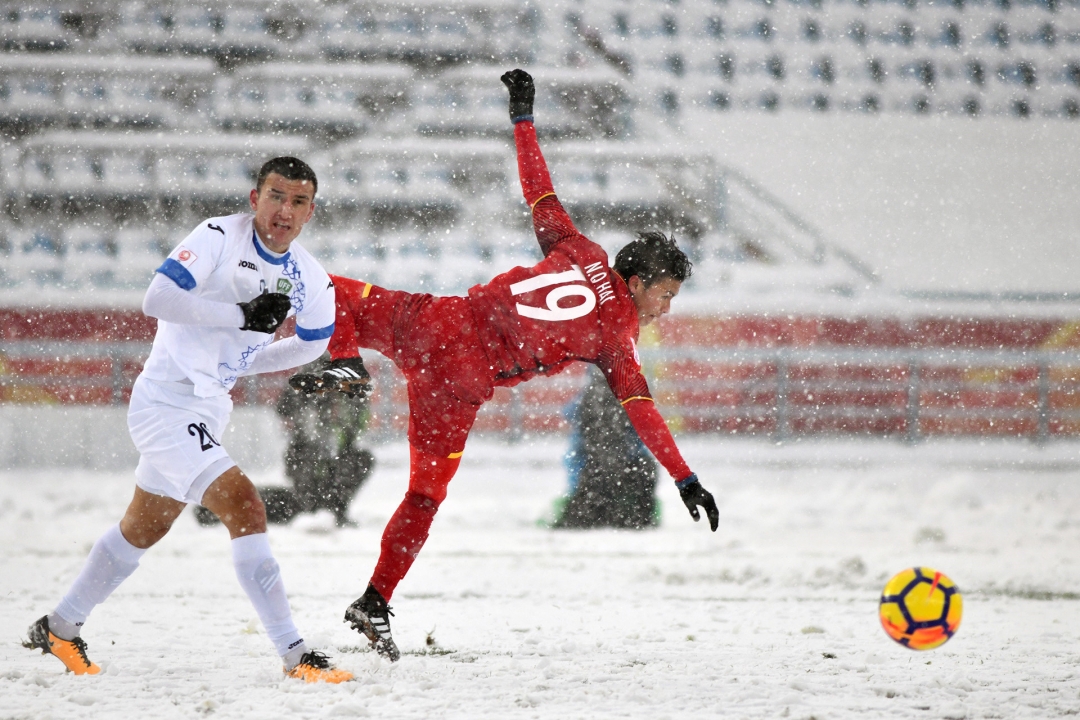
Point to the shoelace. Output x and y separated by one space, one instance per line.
381 622
80 645
375 608
316 659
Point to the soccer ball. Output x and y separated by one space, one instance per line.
920 608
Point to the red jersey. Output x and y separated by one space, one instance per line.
528 321
569 306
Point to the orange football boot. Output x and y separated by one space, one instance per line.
315 667
70 652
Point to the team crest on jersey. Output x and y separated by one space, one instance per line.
284 286
186 257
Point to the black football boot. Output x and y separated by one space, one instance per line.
370 615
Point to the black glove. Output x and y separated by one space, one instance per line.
522 92
693 495
346 375
265 313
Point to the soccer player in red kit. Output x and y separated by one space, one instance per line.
454 351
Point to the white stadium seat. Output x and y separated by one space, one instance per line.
140 117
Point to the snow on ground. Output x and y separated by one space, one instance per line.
773 616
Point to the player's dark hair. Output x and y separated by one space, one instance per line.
653 256
289 168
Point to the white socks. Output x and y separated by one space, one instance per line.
260 577
111 561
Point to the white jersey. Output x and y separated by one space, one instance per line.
224 260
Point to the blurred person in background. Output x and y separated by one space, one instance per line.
612 477
322 460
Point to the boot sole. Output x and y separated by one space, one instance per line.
362 624
36 640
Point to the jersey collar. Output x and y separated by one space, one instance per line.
266 254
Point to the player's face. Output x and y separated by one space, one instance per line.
282 208
654 300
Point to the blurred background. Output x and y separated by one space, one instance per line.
880 197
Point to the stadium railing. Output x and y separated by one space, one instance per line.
904 393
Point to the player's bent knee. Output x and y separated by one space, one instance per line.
429 475
145 532
149 518
236 501
246 517
423 502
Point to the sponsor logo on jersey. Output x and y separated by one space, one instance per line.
215 227
185 257
598 276
283 286
249 265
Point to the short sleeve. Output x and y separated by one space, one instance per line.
191 262
315 320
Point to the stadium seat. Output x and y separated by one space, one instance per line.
329 100
37 258
397 107
139 253
91 258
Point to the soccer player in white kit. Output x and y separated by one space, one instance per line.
219 297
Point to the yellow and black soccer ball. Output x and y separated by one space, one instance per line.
920 608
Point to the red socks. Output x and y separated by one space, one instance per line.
408 529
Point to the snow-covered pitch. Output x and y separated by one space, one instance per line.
773 616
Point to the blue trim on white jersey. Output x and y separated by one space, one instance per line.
265 255
313 335
177 273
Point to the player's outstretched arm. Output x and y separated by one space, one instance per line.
550 220
623 372
653 431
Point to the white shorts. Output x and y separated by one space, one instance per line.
177 435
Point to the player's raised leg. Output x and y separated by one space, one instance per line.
366 316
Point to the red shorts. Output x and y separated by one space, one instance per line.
433 341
